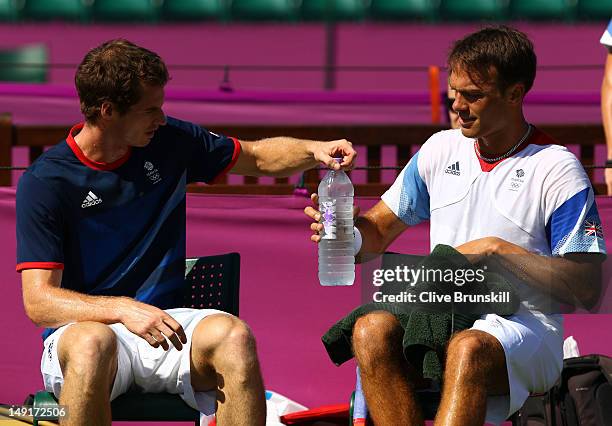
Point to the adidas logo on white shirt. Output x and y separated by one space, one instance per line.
453 169
91 200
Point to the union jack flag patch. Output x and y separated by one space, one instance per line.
592 229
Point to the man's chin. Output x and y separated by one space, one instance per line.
142 143
470 132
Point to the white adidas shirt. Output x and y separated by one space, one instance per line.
540 198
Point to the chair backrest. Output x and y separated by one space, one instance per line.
25 64
213 282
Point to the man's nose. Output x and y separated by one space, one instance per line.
459 104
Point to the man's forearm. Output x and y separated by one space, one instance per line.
55 306
282 156
576 280
379 227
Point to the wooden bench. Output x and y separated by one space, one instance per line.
373 137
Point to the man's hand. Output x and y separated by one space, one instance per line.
315 215
326 151
152 324
476 250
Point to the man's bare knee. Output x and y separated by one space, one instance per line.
470 345
476 355
226 343
87 346
375 336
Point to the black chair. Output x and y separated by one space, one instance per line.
211 282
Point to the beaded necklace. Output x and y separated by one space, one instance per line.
507 153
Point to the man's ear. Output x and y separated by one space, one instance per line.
515 93
106 110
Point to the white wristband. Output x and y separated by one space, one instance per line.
358 240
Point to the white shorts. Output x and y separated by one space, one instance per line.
534 358
142 366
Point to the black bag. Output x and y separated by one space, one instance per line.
581 397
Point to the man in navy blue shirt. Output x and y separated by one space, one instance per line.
101 247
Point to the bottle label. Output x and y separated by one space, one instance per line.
328 218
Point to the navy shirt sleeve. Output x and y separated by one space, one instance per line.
210 156
39 225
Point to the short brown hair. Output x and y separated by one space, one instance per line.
114 72
505 49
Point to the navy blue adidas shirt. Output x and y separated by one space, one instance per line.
117 229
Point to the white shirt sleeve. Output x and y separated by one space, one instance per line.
408 197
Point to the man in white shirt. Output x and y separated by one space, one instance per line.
496 187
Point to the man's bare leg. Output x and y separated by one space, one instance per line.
475 368
224 357
87 354
388 381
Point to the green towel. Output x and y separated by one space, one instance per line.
426 330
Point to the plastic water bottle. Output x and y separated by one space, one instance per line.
336 258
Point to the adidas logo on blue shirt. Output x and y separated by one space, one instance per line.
453 169
91 200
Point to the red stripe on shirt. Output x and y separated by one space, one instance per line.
38 265
235 155
537 137
96 165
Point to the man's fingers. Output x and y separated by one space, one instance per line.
348 161
315 198
330 162
176 328
174 339
345 149
315 238
151 340
171 335
160 339
312 213
342 148
317 227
